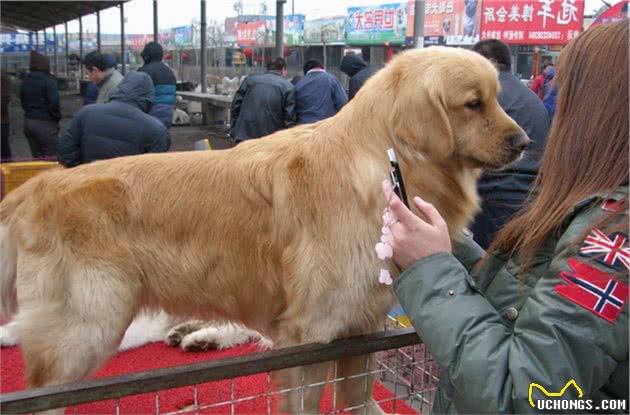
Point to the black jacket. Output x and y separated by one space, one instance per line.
119 128
358 70
263 104
39 94
504 192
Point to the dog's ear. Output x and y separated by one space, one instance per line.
421 120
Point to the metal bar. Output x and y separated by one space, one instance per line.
174 377
98 30
155 21
55 50
418 23
279 28
80 47
122 37
65 25
204 78
45 44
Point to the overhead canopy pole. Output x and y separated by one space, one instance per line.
280 27
155 21
122 37
98 30
204 78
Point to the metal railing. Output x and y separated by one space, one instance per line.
193 374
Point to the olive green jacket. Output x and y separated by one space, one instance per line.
494 333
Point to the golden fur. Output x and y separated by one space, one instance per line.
277 233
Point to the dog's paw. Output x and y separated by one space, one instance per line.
7 338
175 335
201 340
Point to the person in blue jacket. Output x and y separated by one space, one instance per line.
163 80
550 101
319 95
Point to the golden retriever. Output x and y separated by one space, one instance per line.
277 233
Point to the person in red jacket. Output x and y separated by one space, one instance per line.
538 86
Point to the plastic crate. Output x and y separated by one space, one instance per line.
17 172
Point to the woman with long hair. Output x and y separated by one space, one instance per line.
545 310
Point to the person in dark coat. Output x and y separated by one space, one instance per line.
164 81
121 127
90 95
40 101
5 152
319 95
358 70
504 192
263 104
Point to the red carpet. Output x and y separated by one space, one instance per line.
158 355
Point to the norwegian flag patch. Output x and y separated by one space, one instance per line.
612 251
611 205
598 292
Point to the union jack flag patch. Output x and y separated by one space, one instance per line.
594 290
611 251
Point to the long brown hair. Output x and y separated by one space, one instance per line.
587 149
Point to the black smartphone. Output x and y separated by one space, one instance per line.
396 177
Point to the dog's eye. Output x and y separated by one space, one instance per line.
474 105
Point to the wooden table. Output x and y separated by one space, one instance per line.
213 107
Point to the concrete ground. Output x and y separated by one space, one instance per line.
182 137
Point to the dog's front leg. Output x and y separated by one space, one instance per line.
356 391
301 398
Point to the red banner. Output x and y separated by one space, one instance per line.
249 34
138 41
533 22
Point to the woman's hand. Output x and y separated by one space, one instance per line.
412 238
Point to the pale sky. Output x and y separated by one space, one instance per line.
173 13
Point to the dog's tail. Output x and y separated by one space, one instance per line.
8 273
8 261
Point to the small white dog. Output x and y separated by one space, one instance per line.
191 335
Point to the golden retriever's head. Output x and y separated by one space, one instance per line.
445 107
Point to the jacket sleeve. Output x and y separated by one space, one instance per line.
69 146
235 110
52 97
23 96
338 95
492 364
289 109
159 143
353 87
467 251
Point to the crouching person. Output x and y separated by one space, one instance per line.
121 127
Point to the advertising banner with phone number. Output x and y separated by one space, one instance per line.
375 25
533 22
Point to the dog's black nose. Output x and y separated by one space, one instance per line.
519 141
